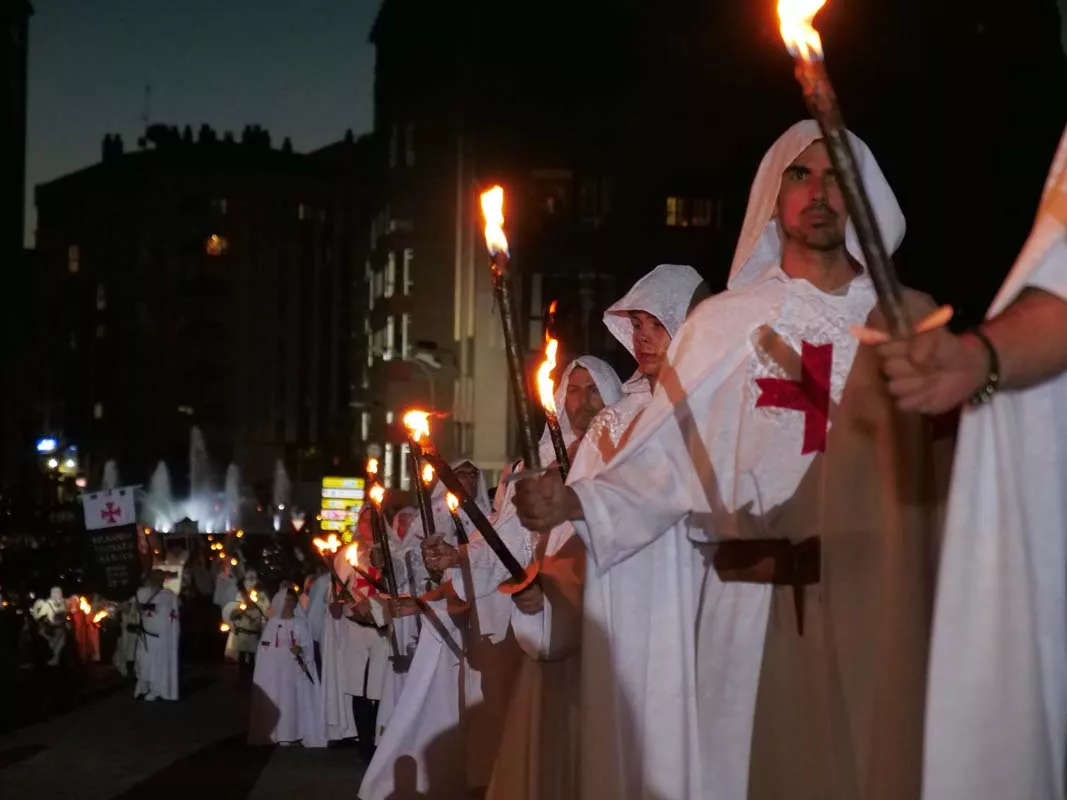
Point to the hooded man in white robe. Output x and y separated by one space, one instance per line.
424 743
507 711
156 657
996 719
789 663
286 707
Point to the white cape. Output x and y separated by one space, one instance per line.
157 650
996 723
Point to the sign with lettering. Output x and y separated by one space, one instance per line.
116 561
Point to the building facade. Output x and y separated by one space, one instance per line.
208 281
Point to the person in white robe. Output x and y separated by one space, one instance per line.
246 620
126 647
314 600
996 721
537 744
157 640
339 637
732 451
286 707
424 741
50 616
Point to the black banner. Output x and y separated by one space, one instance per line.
116 561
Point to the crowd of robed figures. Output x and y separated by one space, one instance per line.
764 575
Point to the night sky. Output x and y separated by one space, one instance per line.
299 68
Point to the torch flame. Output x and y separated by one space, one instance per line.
427 474
417 424
795 17
83 604
545 387
493 211
352 555
331 543
453 502
224 628
99 616
372 466
377 494
254 595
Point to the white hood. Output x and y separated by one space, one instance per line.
607 381
759 248
665 293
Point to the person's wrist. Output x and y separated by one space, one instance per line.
984 366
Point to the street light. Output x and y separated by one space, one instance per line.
428 364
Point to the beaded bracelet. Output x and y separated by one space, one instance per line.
988 389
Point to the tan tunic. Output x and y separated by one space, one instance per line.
839 713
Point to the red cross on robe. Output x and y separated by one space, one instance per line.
363 585
809 395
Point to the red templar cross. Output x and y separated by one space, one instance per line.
111 513
810 395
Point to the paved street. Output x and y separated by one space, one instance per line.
107 745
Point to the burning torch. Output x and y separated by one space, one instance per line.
417 424
546 389
804 44
499 260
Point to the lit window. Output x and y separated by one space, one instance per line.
387 468
379 278
301 212
364 425
409 259
673 210
405 475
390 275
219 205
409 141
390 338
187 410
703 212
216 245
100 331
101 297
390 417
98 411
73 259
405 336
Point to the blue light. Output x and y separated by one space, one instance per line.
46 445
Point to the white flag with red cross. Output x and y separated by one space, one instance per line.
109 509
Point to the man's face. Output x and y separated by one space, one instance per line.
290 604
582 401
651 341
468 476
811 206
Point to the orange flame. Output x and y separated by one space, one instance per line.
453 502
545 387
417 424
377 494
427 474
83 604
254 595
224 628
493 211
331 543
99 616
352 555
372 466
795 18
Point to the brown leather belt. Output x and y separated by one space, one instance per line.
778 562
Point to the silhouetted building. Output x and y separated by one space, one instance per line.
14 45
205 281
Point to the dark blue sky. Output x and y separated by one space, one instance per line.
300 68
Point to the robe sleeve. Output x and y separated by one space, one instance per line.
636 499
1050 273
556 631
487 571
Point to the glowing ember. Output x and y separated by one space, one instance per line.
417 424
83 604
427 474
99 616
372 466
545 387
224 628
243 607
233 562
795 18
453 502
352 554
493 211
377 494
254 595
330 544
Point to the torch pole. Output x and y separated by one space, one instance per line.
822 103
556 435
505 300
466 502
378 528
425 512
